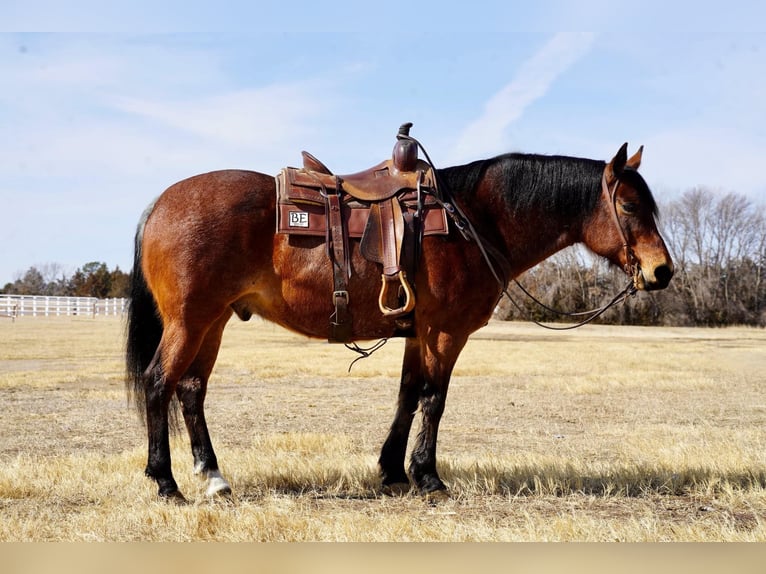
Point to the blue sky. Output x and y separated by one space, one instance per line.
107 107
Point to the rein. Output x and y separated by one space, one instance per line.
466 228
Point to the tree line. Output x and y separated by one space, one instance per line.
718 245
93 279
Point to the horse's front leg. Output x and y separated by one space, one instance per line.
392 454
438 354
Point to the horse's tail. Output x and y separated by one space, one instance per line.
144 329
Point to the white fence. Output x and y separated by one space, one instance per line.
42 306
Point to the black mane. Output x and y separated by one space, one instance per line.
552 184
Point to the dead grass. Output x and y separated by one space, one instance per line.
604 434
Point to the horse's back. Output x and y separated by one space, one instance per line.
208 194
210 211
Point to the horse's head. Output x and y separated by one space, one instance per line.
623 228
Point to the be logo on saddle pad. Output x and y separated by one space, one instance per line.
298 219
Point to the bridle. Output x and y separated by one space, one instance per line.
632 266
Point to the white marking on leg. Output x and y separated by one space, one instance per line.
217 484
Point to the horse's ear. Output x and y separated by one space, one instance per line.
617 165
634 162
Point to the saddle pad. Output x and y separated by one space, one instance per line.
301 206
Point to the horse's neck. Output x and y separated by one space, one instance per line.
529 207
529 244
532 235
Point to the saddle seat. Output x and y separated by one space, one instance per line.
377 183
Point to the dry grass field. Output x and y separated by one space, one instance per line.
601 434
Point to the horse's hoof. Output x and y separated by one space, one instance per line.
218 491
174 497
396 489
222 497
217 485
436 497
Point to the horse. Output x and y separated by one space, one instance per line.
207 249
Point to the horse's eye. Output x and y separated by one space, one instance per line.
629 207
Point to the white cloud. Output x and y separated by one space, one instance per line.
487 134
258 117
91 107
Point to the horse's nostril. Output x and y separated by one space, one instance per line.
662 274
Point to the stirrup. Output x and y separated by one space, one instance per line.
409 295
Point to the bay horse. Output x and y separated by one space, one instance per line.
207 249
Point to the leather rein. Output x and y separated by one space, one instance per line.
491 255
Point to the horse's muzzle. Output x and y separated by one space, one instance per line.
654 279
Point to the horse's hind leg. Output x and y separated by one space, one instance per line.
191 391
158 465
176 352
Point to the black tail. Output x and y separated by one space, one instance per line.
144 331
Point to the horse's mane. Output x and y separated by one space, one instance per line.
553 184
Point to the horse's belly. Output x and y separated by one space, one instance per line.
305 285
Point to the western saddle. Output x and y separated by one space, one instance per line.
388 208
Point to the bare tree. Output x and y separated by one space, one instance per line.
717 243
